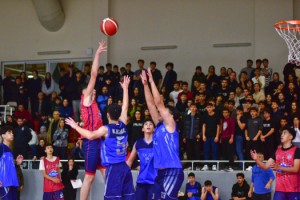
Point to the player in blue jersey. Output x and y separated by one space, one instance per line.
144 149
118 183
165 143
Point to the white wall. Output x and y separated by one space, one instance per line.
193 25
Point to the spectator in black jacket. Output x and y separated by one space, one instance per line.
191 131
22 136
78 84
34 87
9 86
41 106
170 78
241 188
69 174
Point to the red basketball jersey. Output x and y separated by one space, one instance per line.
286 181
52 170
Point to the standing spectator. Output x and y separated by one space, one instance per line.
185 89
191 131
60 140
41 106
22 136
181 105
9 87
273 85
69 82
50 168
261 182
68 175
258 94
22 97
78 85
223 90
40 150
267 136
62 82
135 128
100 80
258 78
157 77
48 86
227 136
65 110
291 93
210 132
232 82
192 188
248 69
77 151
130 74
170 78
8 175
243 80
33 143
174 94
136 77
116 75
209 192
34 87
199 76
266 71
86 73
253 131
211 78
241 188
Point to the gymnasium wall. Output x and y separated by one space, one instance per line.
193 25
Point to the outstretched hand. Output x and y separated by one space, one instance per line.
71 122
144 77
125 82
19 159
102 47
149 73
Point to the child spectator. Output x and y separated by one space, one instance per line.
192 188
209 192
261 181
50 168
68 175
241 188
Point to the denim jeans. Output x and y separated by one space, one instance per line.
210 146
76 110
239 142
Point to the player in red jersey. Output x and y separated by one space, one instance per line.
286 162
91 117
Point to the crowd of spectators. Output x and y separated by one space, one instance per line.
232 111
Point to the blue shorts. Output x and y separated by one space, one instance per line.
91 149
57 195
8 193
144 191
168 182
119 182
286 196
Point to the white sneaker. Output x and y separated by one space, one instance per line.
214 168
229 169
204 168
249 168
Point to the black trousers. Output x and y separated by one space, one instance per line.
193 149
227 151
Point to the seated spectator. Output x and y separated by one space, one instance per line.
54 123
185 90
52 101
68 175
258 94
241 188
133 107
135 128
192 188
23 113
40 150
140 100
258 78
261 181
296 126
48 86
199 76
77 151
66 110
60 140
209 192
102 99
41 106
22 97
10 121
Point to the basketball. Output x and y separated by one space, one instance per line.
109 26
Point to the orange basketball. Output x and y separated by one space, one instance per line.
109 26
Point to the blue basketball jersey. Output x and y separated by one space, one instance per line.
147 172
113 147
166 148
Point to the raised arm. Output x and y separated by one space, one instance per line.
125 85
101 132
89 90
164 112
262 165
149 99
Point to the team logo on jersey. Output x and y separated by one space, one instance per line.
53 173
289 156
120 137
147 156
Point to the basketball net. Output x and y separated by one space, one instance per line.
290 32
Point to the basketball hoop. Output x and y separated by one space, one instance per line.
290 32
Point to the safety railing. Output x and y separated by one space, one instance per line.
34 164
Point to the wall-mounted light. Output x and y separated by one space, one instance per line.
53 52
159 47
241 44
